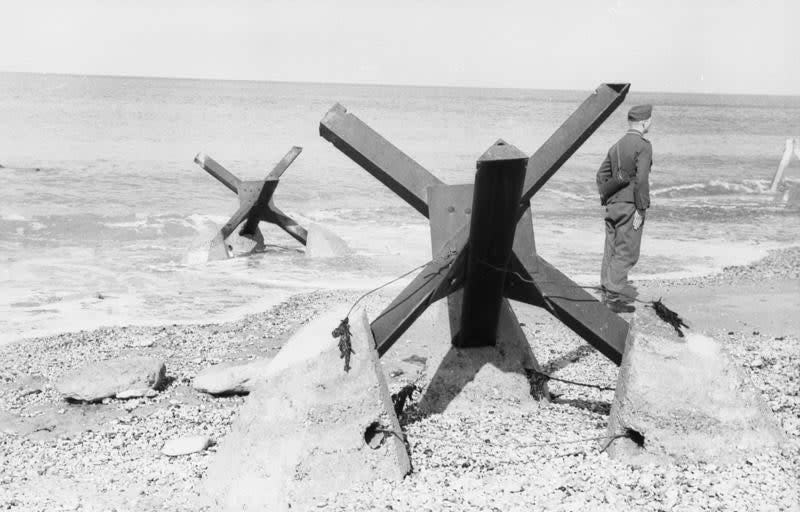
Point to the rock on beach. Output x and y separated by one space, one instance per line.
185 445
231 380
121 378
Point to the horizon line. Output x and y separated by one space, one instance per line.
374 84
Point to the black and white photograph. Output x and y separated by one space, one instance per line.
419 256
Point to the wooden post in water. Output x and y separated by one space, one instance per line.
495 202
792 145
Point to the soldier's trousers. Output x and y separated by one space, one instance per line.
621 250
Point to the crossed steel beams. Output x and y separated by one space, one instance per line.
528 277
255 201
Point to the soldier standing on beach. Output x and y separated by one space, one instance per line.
623 181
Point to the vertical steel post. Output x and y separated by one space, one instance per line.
495 205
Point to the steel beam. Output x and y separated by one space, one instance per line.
238 217
220 173
443 277
524 241
379 157
284 164
258 204
286 223
430 285
527 276
498 187
450 208
570 135
571 304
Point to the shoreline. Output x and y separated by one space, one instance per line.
60 456
772 258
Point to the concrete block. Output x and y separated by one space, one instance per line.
791 196
242 245
461 379
685 399
322 243
310 429
209 246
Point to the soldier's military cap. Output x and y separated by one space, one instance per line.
640 112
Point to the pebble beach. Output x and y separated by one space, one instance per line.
56 455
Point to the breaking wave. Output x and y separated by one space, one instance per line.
120 228
714 188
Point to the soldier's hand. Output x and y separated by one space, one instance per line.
638 219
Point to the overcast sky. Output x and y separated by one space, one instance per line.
718 46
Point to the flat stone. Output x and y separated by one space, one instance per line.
136 393
310 429
233 379
322 243
185 445
686 398
143 342
122 377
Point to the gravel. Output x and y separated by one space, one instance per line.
778 264
58 456
552 458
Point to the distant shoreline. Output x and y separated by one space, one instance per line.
577 94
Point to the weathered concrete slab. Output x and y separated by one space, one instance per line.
323 243
122 378
686 398
310 429
459 379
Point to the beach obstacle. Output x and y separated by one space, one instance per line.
482 236
255 205
309 430
684 398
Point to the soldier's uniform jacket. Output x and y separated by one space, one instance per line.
631 157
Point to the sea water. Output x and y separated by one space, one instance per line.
101 202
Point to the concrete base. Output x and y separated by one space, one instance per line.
310 429
239 245
685 399
202 250
458 379
791 197
322 243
